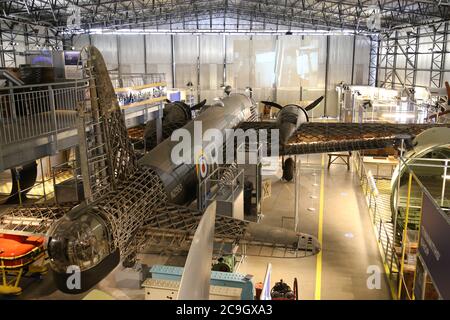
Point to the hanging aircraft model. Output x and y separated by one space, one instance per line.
133 203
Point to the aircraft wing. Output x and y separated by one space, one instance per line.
332 137
31 220
318 137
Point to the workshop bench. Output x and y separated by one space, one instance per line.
344 156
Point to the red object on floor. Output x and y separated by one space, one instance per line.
17 251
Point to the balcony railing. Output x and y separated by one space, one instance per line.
31 111
124 80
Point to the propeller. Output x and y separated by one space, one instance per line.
272 104
199 105
311 106
314 104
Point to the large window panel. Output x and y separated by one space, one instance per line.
20 48
424 58
107 44
340 68
301 64
186 54
239 62
423 78
131 54
362 61
211 66
262 57
159 55
290 67
79 41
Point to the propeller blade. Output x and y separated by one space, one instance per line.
314 104
272 104
199 105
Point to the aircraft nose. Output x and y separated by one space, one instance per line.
80 251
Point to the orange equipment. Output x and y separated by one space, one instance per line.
18 255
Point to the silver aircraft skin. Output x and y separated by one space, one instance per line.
180 179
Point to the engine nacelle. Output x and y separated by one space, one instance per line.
289 119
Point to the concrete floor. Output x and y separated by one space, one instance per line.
349 246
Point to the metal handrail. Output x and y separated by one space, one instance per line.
380 225
118 79
76 81
389 254
33 113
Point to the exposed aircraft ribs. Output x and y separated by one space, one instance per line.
329 137
319 137
171 229
30 220
127 208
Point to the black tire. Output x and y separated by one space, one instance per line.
288 169
27 179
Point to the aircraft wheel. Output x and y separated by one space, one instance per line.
288 169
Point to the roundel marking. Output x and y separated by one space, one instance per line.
203 167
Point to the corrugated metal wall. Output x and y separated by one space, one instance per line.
287 68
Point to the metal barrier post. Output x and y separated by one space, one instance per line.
51 98
405 229
392 259
379 230
18 187
418 237
296 190
444 178
398 189
42 178
13 116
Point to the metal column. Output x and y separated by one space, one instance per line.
326 77
145 54
198 68
118 60
224 76
172 54
296 190
353 59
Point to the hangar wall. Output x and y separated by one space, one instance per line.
286 68
415 56
19 39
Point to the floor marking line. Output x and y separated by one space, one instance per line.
317 293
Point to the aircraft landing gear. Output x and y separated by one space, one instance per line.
288 169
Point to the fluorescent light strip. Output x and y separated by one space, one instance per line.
96 31
398 115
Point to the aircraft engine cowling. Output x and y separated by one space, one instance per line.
289 119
